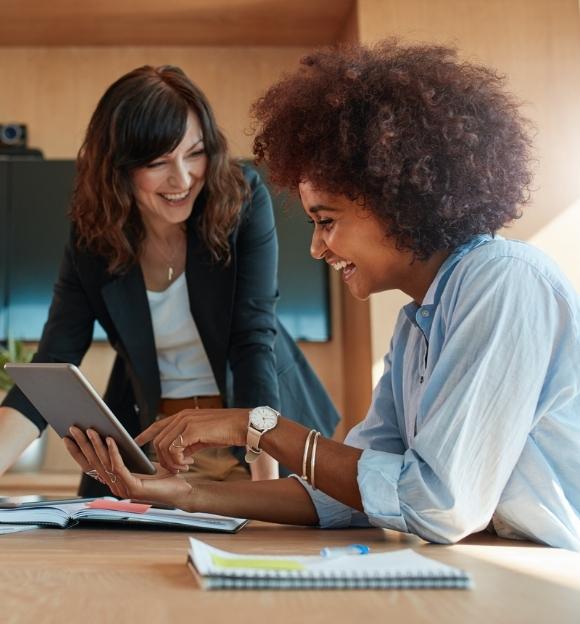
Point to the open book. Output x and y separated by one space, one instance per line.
400 569
69 514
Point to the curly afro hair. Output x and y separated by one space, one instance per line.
434 147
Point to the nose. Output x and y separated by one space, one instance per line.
317 245
180 175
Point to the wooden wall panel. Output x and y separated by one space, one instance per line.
55 90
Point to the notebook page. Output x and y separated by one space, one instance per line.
163 516
49 514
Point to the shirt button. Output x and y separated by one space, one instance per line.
425 313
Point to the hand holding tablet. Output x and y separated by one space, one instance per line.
66 399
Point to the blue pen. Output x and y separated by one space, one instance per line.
340 551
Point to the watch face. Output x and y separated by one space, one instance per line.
263 418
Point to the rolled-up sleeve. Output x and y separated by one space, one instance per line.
332 514
378 482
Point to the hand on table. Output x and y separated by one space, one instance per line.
179 437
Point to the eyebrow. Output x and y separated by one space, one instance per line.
319 207
200 140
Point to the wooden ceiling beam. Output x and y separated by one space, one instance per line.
172 22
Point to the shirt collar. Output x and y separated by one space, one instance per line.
422 315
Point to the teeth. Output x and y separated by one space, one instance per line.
175 196
338 266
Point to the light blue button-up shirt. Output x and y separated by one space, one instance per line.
477 414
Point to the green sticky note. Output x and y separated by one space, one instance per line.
257 564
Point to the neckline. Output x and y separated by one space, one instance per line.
173 285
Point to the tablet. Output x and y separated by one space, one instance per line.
64 397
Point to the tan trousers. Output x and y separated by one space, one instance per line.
213 464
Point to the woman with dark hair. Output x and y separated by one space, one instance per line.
407 162
173 250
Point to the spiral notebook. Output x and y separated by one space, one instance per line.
400 569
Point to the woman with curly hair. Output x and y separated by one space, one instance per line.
407 162
173 250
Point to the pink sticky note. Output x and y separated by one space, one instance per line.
122 505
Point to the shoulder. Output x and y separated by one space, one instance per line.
513 271
258 191
251 176
258 202
91 266
506 261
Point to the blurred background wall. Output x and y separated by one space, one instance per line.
57 58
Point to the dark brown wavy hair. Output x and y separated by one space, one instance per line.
434 147
142 116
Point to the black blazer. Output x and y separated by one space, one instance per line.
254 360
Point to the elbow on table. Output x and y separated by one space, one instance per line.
447 526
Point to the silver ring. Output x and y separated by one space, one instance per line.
95 475
112 476
178 442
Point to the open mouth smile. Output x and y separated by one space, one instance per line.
347 268
176 198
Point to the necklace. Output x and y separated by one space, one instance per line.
169 259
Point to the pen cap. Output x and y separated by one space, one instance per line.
363 549
351 549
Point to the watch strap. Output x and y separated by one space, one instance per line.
253 440
253 450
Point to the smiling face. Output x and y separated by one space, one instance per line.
351 239
166 188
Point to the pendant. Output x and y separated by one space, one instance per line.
170 273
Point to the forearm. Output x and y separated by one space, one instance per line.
335 469
264 468
16 433
282 500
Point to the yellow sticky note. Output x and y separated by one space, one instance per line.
256 564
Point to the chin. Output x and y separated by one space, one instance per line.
178 215
358 293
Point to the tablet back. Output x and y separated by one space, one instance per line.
65 398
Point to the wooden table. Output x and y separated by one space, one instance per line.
111 575
57 484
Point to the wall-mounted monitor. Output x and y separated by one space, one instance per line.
34 200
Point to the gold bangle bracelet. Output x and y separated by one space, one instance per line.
305 456
313 459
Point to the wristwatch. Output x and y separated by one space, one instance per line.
261 419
